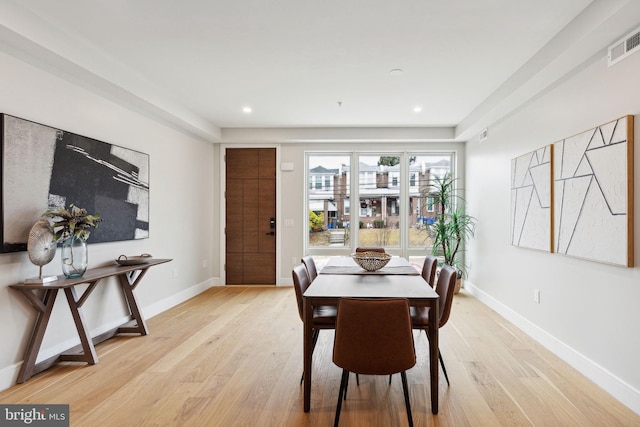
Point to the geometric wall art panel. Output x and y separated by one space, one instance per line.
531 200
44 168
593 194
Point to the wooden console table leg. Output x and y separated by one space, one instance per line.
128 284
42 298
89 351
44 307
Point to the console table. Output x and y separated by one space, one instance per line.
43 296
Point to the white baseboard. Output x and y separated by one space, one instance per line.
617 387
9 374
284 281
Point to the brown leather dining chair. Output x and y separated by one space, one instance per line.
324 317
373 337
420 315
308 262
428 273
429 268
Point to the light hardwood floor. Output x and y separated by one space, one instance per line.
233 357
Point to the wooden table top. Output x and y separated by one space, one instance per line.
91 275
371 286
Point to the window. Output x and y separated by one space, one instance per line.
430 204
425 168
379 209
393 208
328 204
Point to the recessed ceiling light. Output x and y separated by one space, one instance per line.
247 110
417 109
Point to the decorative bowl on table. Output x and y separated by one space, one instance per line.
371 261
134 260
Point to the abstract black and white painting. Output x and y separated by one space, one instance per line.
531 200
44 168
592 198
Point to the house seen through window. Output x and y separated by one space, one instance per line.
393 206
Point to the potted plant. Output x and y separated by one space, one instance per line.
451 225
73 226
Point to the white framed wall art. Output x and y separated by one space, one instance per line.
593 194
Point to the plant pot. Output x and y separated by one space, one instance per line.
456 289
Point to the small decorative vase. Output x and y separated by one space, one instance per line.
75 257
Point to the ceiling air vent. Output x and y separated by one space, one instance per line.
624 47
484 134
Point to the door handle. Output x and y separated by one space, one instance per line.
272 226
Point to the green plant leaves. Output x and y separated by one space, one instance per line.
73 221
452 225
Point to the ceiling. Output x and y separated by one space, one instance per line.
315 64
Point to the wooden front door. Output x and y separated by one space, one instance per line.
250 216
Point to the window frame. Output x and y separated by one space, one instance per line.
404 195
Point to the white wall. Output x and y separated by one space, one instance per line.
183 188
588 311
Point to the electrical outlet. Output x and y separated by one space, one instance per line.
536 296
205 263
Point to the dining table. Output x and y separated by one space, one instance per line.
341 277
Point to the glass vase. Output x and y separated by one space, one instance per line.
75 257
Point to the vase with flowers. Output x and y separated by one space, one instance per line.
73 226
